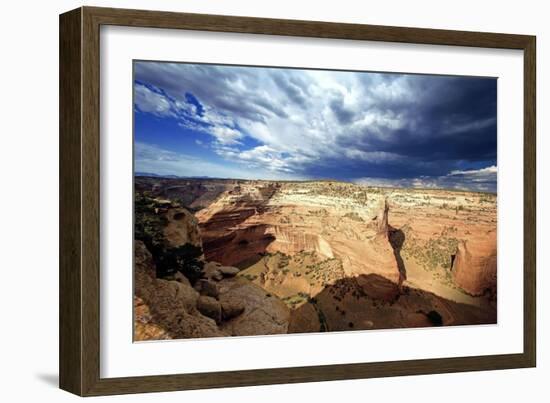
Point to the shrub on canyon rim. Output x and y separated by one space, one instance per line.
148 224
184 259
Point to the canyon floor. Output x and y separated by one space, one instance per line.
233 257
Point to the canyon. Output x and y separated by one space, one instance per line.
294 257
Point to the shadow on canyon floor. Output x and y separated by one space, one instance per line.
397 239
373 302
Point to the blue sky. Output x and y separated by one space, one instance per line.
274 123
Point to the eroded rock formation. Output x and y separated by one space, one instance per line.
381 218
475 265
171 305
218 304
181 228
243 225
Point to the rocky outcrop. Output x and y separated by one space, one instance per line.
218 304
145 327
208 288
231 307
210 307
263 313
228 271
305 319
474 267
181 228
381 218
215 271
169 307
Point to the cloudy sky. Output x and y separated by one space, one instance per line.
273 123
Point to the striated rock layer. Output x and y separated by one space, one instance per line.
258 218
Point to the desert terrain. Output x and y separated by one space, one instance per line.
222 257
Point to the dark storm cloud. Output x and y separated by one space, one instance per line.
343 114
294 88
451 119
346 125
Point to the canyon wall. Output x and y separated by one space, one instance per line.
475 265
241 226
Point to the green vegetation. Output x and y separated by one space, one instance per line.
434 253
319 213
295 300
148 224
325 271
183 259
283 262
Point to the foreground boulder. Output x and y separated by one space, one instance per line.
263 313
167 308
210 307
231 307
208 288
227 271
172 309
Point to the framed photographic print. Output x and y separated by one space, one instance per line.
251 201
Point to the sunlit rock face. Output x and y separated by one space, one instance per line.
181 228
475 264
334 220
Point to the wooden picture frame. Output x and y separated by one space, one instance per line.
80 187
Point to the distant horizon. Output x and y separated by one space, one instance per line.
173 176
260 123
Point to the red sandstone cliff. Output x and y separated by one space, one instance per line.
475 265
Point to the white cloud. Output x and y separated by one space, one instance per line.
260 157
375 157
305 114
152 102
226 135
265 156
488 171
483 179
151 158
148 152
